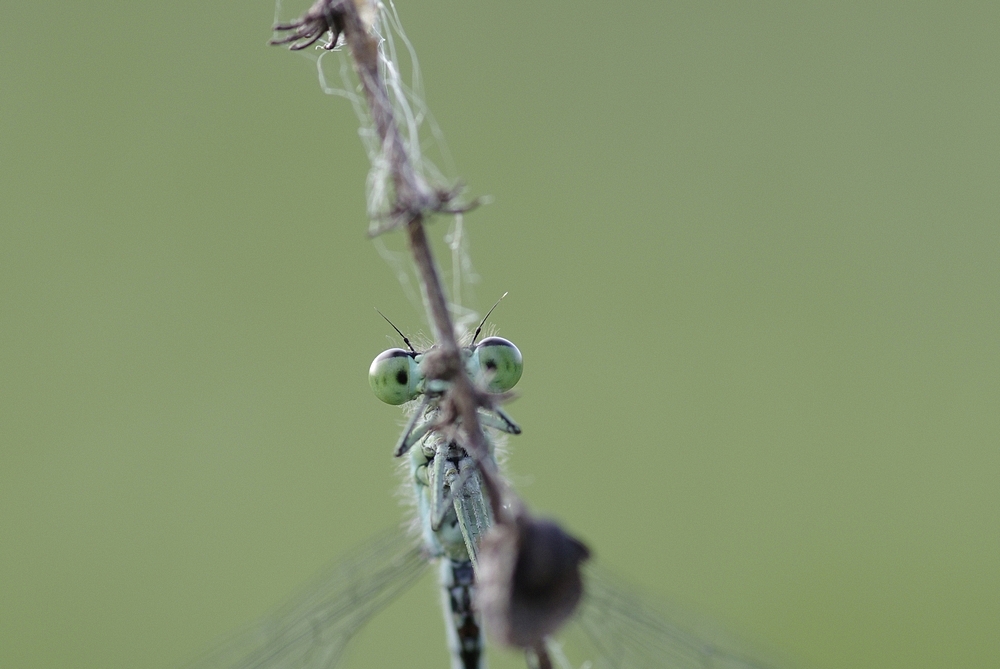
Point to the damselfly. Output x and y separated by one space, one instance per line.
612 629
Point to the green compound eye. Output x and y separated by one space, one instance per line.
500 363
394 376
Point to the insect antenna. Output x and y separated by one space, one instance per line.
480 328
405 339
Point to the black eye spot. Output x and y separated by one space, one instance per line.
402 377
491 365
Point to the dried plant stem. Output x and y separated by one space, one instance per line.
545 557
415 200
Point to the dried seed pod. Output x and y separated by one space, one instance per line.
529 580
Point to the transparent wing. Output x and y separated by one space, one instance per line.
618 629
473 513
313 628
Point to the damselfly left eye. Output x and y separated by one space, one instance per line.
394 376
500 363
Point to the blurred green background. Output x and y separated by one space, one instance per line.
752 255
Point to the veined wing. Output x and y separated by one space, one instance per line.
312 629
618 629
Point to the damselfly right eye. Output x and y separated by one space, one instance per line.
500 363
395 376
